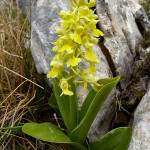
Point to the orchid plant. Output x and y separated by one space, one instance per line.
78 33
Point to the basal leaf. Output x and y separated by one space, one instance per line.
50 133
46 132
80 132
86 104
117 139
90 97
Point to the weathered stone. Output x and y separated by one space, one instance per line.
141 137
140 14
45 19
121 34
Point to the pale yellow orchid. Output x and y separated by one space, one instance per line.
78 33
64 86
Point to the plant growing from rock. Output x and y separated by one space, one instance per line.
77 36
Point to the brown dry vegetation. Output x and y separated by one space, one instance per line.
23 94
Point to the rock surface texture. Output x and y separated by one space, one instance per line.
141 134
121 34
44 21
118 20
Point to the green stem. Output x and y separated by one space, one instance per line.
73 105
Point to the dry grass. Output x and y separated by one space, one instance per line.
22 97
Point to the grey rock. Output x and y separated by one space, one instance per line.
141 137
103 70
121 34
140 14
45 19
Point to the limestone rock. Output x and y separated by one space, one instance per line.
141 137
44 21
121 34
140 15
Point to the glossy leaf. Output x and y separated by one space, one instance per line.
117 139
50 133
80 132
86 104
90 97
46 132
68 106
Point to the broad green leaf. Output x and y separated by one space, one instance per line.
68 105
117 139
76 146
90 97
80 132
107 80
46 132
86 104
50 133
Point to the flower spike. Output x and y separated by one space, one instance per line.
78 33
